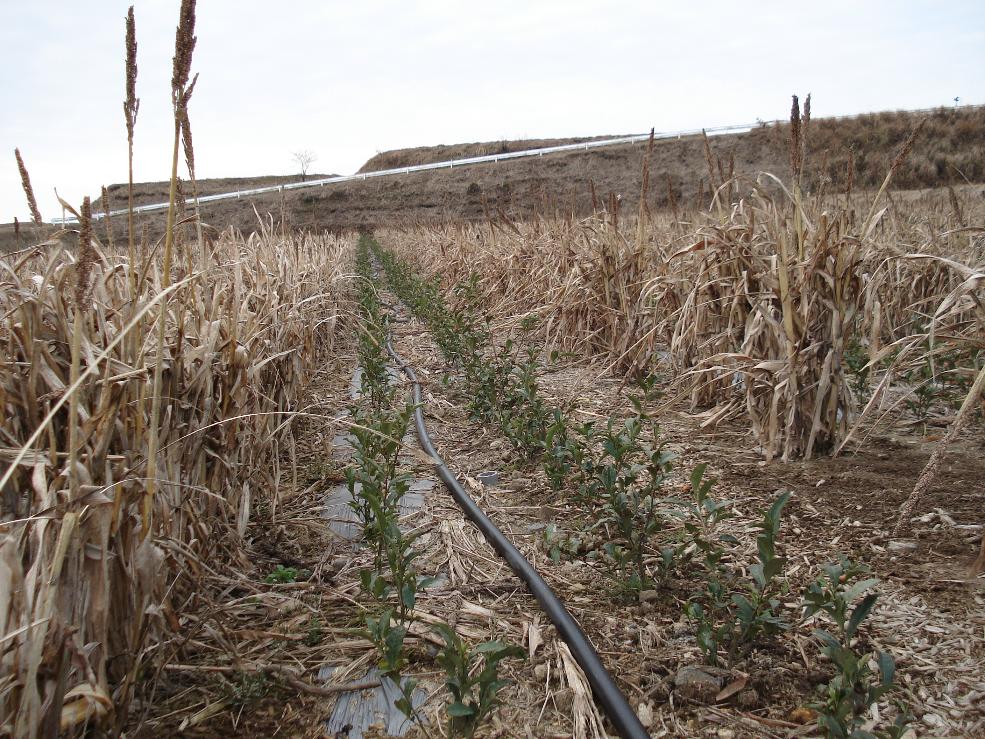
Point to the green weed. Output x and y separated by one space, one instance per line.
282 574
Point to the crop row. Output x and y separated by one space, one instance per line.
377 485
617 473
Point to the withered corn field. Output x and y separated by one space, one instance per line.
740 440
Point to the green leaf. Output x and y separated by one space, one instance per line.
499 650
774 567
403 705
827 639
858 588
833 726
494 686
859 614
445 632
459 710
887 668
756 570
746 609
408 595
697 474
777 507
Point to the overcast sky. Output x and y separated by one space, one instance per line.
348 79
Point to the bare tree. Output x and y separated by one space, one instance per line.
304 159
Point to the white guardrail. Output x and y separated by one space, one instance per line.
451 163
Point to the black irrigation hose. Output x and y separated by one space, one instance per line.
616 706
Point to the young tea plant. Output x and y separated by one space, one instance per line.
282 574
625 484
501 385
373 481
857 361
561 451
472 678
377 488
847 699
702 515
523 415
559 545
388 636
734 618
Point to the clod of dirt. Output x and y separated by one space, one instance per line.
802 715
695 684
748 700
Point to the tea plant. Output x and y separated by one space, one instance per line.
833 592
560 545
857 360
702 514
472 678
388 635
558 458
938 380
732 619
246 688
501 385
624 484
374 484
564 450
399 578
315 633
377 486
523 415
848 697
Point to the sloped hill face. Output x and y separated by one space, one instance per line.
147 193
396 158
950 148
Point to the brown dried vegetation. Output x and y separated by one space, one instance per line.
754 305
